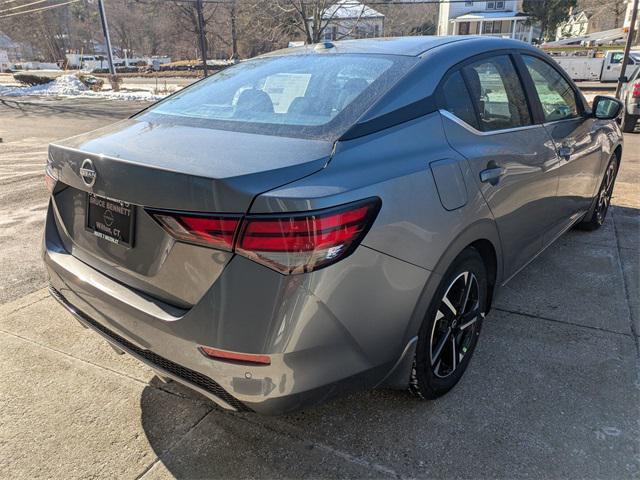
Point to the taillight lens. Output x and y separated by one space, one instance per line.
636 90
293 243
211 231
305 242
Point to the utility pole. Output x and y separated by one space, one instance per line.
203 39
627 47
107 39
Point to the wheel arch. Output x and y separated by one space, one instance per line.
482 236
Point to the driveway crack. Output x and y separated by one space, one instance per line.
635 334
564 322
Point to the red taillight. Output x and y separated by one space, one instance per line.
212 231
235 356
636 90
305 242
294 243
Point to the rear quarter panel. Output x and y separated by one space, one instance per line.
413 227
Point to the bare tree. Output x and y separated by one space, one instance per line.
312 17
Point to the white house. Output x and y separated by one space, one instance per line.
347 19
577 25
503 18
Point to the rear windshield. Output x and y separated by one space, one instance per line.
315 95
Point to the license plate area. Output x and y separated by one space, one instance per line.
110 219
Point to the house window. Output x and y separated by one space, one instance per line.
499 5
491 5
494 27
468 4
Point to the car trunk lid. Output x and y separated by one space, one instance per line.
172 168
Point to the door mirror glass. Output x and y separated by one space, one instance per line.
606 108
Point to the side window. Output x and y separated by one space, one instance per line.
457 99
617 57
497 94
557 98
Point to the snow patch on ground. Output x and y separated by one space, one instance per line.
70 86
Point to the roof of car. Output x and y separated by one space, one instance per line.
410 46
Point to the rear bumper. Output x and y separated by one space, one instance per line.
164 367
337 329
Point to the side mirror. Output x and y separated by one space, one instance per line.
624 79
606 108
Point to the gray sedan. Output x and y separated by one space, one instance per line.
326 218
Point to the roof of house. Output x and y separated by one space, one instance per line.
606 36
346 9
505 15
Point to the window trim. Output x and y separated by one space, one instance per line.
475 131
582 108
440 99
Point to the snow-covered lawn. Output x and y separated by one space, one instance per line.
70 86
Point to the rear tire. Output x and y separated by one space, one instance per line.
450 330
629 123
597 214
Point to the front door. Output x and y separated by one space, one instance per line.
487 120
463 28
574 136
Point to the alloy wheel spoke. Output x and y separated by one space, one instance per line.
469 280
435 357
469 319
436 367
449 306
454 353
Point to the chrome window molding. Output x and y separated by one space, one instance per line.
475 131
577 117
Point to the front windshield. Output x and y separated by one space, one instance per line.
286 95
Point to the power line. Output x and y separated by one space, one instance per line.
22 6
39 9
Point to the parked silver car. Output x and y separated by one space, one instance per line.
630 96
325 218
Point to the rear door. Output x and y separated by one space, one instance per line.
574 134
488 119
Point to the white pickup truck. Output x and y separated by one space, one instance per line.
603 69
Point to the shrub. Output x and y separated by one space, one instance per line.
31 80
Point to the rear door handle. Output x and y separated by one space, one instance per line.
492 174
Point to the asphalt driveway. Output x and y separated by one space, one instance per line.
553 390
